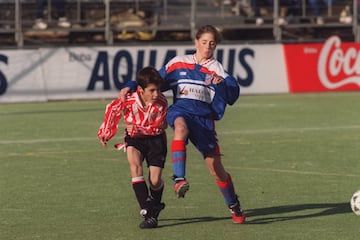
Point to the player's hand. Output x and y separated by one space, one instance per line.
129 128
123 92
102 141
217 80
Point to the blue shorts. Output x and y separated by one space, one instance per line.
201 131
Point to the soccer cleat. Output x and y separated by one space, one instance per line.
181 187
157 209
149 222
237 214
151 216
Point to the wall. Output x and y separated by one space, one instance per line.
98 72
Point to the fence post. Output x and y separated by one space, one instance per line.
356 29
276 27
18 25
108 33
192 18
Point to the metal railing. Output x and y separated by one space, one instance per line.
190 15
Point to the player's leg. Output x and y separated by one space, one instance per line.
205 140
155 205
156 190
155 158
226 186
137 176
178 152
156 183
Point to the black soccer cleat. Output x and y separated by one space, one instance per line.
149 222
151 216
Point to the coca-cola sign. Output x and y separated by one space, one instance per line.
335 62
330 66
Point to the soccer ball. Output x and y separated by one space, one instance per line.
355 202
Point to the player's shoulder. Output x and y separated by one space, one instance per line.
130 99
215 65
132 95
181 58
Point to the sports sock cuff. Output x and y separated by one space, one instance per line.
178 179
136 180
178 145
161 185
224 184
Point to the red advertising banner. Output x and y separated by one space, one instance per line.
329 66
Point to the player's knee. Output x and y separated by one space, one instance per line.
156 182
180 127
181 131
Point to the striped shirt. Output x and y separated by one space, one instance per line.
146 120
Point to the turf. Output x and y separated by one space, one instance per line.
294 160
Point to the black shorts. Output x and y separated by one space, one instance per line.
152 148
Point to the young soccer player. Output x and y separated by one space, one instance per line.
201 88
144 114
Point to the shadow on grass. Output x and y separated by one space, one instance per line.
272 214
181 221
293 212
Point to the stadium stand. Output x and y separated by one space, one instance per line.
109 22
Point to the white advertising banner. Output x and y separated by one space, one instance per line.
21 78
99 72
266 69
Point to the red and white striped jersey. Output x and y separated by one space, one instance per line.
146 120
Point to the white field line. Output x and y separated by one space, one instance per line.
296 172
31 141
280 130
255 131
24 141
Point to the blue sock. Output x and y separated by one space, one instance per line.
227 190
178 149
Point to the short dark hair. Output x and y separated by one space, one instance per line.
209 29
148 75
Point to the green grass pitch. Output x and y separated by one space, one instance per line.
294 159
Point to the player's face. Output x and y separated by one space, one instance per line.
150 93
205 45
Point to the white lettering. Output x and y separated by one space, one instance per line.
308 50
333 59
196 92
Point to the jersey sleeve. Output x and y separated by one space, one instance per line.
163 73
227 92
230 90
112 117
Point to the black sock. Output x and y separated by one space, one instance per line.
141 191
157 193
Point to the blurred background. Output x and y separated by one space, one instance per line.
30 23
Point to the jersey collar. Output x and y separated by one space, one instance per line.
206 62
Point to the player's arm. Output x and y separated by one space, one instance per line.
111 120
226 92
228 89
129 87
